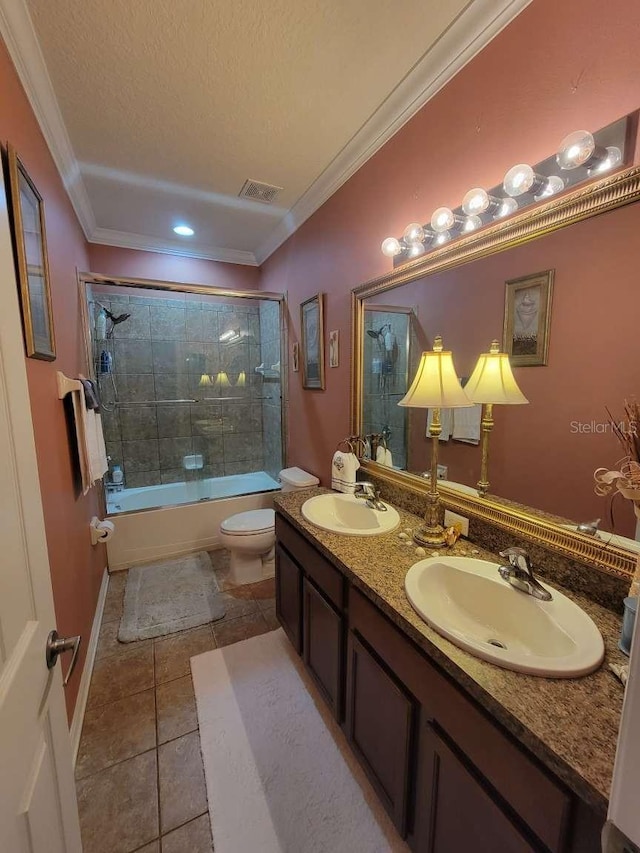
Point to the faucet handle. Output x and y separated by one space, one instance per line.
518 558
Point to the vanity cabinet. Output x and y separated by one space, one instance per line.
381 722
449 775
310 597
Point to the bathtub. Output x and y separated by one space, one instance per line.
159 522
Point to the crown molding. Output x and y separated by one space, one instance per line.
128 240
22 43
475 27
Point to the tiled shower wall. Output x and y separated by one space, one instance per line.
162 352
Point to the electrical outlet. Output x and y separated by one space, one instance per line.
451 518
443 472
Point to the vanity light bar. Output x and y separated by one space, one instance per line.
581 156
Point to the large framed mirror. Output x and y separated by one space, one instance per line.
543 455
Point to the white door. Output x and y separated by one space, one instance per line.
38 810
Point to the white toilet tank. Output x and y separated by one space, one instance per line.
295 478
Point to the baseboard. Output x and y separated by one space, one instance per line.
85 681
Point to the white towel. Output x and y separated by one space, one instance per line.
466 424
446 423
343 472
90 437
381 454
388 459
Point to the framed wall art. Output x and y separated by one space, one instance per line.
30 246
527 318
312 342
334 348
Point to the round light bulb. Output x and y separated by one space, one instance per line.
471 223
507 207
613 159
576 149
476 201
442 237
413 233
184 230
519 180
554 184
391 247
415 250
442 219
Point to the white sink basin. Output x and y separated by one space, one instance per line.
468 602
349 515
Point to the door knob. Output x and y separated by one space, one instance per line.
56 645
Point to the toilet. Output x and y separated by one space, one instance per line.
250 536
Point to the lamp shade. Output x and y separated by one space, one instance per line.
492 380
436 383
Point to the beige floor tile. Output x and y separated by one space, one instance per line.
264 592
242 628
119 806
108 643
116 731
172 653
115 597
154 847
194 837
121 675
269 614
183 793
176 703
236 606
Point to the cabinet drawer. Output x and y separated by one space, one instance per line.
540 801
327 578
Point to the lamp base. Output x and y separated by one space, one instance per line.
430 535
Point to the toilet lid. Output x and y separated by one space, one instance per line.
253 521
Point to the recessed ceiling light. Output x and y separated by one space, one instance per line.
184 230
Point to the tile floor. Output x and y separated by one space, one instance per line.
139 775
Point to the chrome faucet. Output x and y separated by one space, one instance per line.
520 574
589 527
366 491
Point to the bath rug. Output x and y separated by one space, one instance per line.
168 596
280 775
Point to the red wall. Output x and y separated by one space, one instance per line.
111 260
556 68
76 567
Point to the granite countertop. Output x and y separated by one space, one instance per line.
571 725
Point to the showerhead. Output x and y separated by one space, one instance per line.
115 319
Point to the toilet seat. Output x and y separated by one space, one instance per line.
249 523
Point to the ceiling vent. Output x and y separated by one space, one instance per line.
257 191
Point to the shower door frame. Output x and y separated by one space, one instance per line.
88 278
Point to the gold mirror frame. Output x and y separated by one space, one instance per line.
598 197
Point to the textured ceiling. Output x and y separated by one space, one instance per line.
170 106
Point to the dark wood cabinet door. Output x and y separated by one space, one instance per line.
381 719
322 645
289 596
454 810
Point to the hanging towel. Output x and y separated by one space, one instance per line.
388 459
446 423
90 437
380 454
466 424
343 472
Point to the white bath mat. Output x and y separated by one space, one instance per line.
280 776
168 596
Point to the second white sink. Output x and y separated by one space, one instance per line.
468 602
349 515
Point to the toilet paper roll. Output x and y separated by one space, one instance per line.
101 531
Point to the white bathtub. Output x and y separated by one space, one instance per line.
158 522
